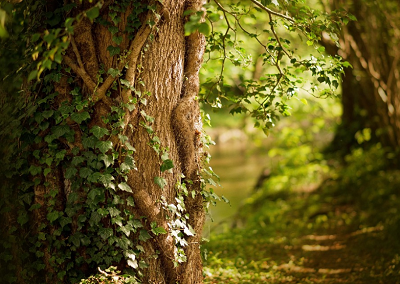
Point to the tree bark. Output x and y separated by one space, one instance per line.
160 61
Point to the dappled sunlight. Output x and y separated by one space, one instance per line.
320 238
322 248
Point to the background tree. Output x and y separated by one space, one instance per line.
109 164
370 90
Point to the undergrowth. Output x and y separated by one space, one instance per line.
315 221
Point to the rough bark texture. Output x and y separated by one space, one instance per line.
371 90
170 65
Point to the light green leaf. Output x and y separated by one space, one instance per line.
158 231
125 187
161 182
93 13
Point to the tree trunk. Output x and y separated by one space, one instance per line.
371 90
160 72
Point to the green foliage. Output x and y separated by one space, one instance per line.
285 70
288 229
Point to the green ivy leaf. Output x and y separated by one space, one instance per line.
166 165
93 13
47 113
78 117
89 142
132 263
114 50
52 216
105 233
104 146
160 181
32 75
60 130
77 160
144 235
114 211
85 172
117 39
46 171
158 231
107 179
125 187
107 159
130 202
70 173
113 72
99 132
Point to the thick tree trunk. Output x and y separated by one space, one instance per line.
371 90
162 62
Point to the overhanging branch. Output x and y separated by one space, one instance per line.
271 12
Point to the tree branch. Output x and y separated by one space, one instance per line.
271 12
135 49
81 72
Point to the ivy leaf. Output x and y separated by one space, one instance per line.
60 130
85 172
22 218
52 216
70 173
117 39
166 165
132 263
104 146
46 171
89 142
125 187
130 202
161 182
93 13
204 28
113 72
78 117
114 211
77 160
99 132
47 113
144 235
105 233
107 179
93 193
114 50
159 230
107 159
32 75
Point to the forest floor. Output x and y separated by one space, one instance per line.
319 236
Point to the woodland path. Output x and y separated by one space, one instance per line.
286 251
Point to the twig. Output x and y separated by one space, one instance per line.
271 12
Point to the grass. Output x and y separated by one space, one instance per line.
343 228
